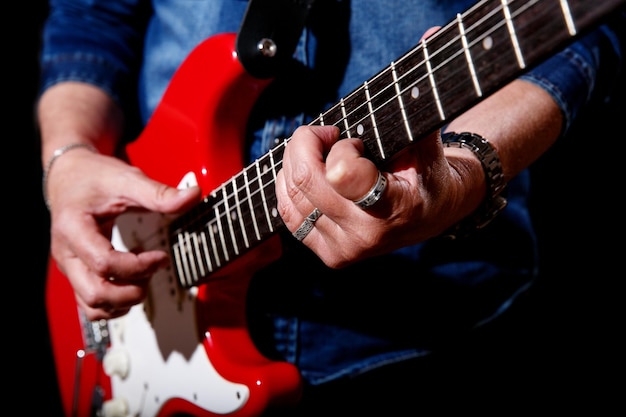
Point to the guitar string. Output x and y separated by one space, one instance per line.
411 54
393 98
420 47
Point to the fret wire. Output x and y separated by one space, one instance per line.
405 119
431 77
373 119
178 262
342 104
272 167
509 25
189 252
229 223
211 227
220 231
239 214
569 20
251 206
277 167
267 216
256 196
269 191
184 265
207 255
196 248
468 56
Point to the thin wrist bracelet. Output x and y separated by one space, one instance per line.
55 155
494 177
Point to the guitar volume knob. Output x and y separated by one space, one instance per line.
117 407
116 362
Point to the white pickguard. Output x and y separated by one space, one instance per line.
155 354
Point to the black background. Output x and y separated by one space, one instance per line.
558 352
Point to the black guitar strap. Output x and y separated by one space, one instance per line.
269 34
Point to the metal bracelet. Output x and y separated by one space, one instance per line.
494 202
55 155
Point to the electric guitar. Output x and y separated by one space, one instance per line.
186 348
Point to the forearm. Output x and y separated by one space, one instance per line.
74 112
521 121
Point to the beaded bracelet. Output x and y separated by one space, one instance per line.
55 155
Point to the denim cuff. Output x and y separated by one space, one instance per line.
84 67
580 73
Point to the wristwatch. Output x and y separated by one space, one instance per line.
494 202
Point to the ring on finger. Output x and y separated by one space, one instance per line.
374 194
307 225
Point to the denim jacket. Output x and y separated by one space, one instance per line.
333 323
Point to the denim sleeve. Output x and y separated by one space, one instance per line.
94 41
587 70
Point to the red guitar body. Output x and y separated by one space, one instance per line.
181 351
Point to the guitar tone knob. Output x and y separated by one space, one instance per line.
116 362
117 407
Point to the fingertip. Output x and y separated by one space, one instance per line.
173 199
190 195
193 191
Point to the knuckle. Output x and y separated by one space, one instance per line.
302 177
100 265
93 298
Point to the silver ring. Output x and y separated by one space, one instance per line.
373 195
307 225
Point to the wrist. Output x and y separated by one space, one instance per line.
55 156
493 202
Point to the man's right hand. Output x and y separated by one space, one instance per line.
86 191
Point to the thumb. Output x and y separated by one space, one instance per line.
162 198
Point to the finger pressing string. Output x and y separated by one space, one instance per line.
374 194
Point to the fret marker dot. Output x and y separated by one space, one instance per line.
487 43
360 129
274 212
415 92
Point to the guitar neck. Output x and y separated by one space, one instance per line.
461 64
464 62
